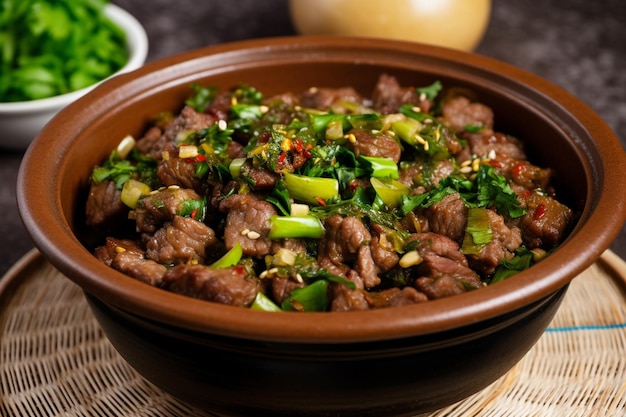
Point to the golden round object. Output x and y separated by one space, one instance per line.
458 24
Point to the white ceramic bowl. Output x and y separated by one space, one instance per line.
21 121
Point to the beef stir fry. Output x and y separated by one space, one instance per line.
324 200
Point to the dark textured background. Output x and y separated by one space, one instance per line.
576 44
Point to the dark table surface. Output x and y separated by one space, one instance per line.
576 44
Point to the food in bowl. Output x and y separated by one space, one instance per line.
53 48
324 200
21 121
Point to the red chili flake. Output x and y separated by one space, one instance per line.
377 228
517 169
193 214
200 158
282 157
239 269
540 212
353 185
495 164
190 160
527 193
299 146
307 154
321 201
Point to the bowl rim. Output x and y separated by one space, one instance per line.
194 315
137 44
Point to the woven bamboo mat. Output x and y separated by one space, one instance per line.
55 360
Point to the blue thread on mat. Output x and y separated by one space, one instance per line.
588 327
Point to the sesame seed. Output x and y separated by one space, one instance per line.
253 235
264 109
222 125
174 187
272 271
492 154
465 170
466 163
299 278
263 274
422 96
245 232
416 109
119 249
475 164
352 138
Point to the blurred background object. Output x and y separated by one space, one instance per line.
458 24
51 54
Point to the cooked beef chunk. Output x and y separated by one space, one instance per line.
545 224
128 257
140 268
161 206
179 241
459 112
235 150
259 177
395 297
175 171
187 120
346 299
503 243
370 144
282 287
527 175
294 245
219 108
441 256
150 143
112 246
383 253
324 98
484 142
347 241
448 217
248 222
389 96
231 286
104 205
441 286
421 177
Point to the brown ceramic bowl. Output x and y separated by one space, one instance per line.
396 361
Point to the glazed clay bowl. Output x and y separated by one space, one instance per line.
394 361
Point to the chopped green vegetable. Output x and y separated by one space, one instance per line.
263 303
381 167
201 97
132 191
195 209
313 297
312 190
296 227
431 91
49 47
478 231
230 258
390 191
